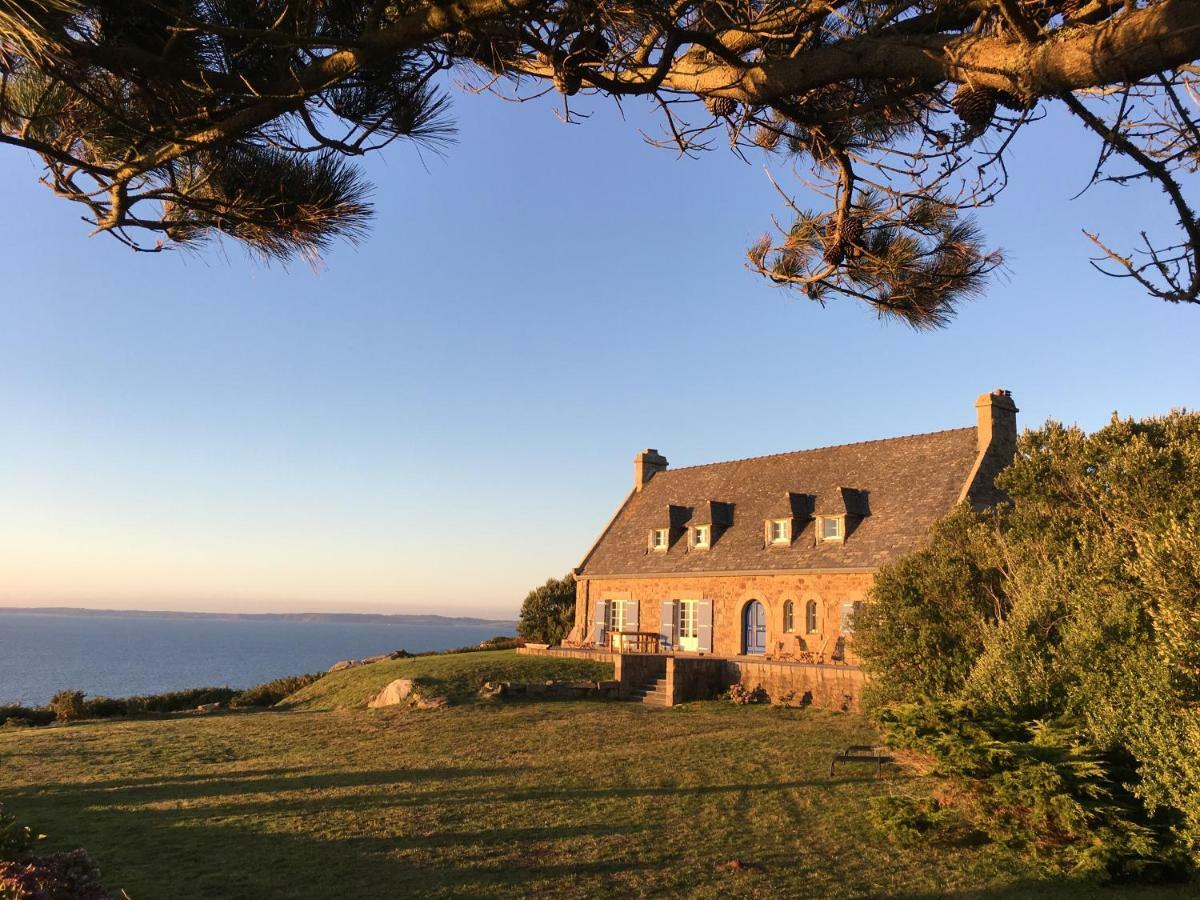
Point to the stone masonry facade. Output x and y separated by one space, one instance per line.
730 594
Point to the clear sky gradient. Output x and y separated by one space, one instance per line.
447 414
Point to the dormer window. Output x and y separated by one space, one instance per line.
700 537
780 531
830 528
659 539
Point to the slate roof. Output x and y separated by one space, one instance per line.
904 484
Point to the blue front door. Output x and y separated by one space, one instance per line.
755 620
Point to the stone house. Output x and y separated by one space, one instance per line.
763 562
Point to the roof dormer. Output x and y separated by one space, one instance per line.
708 523
669 529
838 513
786 519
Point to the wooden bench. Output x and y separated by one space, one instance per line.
862 753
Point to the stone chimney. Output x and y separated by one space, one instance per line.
996 427
646 465
996 444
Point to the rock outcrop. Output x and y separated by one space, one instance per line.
402 690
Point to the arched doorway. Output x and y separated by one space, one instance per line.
754 629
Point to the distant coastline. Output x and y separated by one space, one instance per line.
350 618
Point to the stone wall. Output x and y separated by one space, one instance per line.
692 677
730 594
568 652
697 678
829 687
550 690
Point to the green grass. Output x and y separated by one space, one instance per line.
455 676
571 798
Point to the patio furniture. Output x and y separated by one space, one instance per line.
635 641
857 753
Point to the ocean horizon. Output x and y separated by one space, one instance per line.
125 653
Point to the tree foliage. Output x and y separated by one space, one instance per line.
1097 626
548 611
925 626
171 121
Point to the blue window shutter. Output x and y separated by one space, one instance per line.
600 622
704 615
631 615
666 624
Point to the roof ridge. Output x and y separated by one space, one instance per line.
898 437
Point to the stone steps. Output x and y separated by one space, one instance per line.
652 693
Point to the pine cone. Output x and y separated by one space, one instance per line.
975 106
835 253
721 106
852 231
568 80
1015 102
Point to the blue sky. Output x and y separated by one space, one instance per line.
446 415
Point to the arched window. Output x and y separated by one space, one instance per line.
789 616
810 617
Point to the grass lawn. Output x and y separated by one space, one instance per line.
575 798
455 676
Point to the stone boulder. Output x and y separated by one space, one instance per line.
491 690
402 690
344 664
397 691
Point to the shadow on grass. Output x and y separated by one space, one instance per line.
153 843
216 784
1062 887
280 832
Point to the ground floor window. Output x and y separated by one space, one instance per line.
849 609
789 616
617 614
810 617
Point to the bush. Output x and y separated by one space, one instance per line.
743 696
271 692
178 701
16 841
501 642
548 612
67 706
1074 605
105 707
13 715
905 820
62 876
1041 788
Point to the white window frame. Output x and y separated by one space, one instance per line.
784 526
846 626
701 537
654 539
616 615
838 521
789 616
689 619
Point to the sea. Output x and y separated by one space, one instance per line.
123 655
